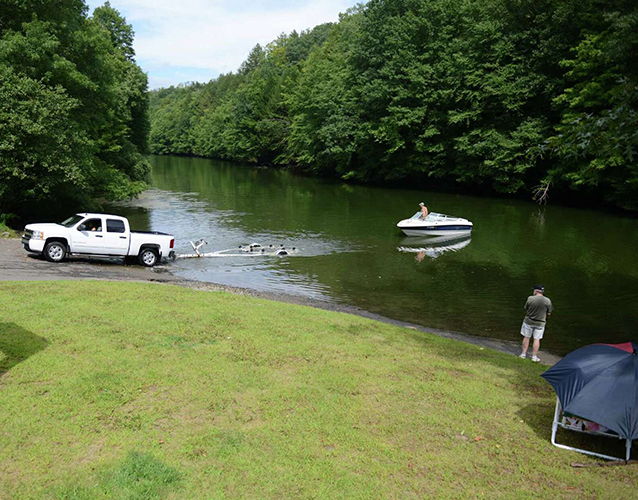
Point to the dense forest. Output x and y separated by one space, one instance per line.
534 97
74 122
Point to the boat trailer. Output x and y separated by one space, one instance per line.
252 250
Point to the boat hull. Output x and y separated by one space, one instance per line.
437 230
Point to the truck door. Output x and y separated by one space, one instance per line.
88 237
116 239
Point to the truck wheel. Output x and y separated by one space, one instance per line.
55 251
148 257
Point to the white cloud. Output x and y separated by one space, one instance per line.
212 36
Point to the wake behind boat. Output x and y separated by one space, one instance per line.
435 225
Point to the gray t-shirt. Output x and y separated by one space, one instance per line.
537 308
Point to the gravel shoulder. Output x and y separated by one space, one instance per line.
18 265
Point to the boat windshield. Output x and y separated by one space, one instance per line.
71 221
433 216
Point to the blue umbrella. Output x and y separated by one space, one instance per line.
599 383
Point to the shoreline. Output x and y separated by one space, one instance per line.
566 201
506 346
167 380
18 265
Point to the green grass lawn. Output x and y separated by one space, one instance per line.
143 391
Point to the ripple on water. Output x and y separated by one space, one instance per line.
348 243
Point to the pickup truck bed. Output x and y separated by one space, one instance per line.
151 232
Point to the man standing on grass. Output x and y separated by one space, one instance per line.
537 308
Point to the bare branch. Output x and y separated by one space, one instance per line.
541 192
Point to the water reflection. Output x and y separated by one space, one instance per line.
434 246
347 240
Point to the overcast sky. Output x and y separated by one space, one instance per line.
178 41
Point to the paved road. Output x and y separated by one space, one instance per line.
18 265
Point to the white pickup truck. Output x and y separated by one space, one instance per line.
97 235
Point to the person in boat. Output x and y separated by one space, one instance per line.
537 308
424 210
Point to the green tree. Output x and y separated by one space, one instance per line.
43 152
325 122
490 95
596 141
74 112
121 34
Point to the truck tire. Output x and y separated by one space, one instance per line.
55 251
148 257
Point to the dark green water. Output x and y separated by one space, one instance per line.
351 251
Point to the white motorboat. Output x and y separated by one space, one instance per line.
434 225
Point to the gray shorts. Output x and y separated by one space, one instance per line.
536 331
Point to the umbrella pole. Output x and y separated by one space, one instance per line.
628 450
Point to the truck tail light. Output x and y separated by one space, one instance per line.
172 242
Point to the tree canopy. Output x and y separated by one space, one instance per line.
504 96
74 120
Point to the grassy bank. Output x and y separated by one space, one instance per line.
6 229
141 391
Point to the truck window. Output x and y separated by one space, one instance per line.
115 226
91 225
71 221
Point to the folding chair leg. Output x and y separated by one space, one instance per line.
578 450
555 422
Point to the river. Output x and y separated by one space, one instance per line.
351 252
